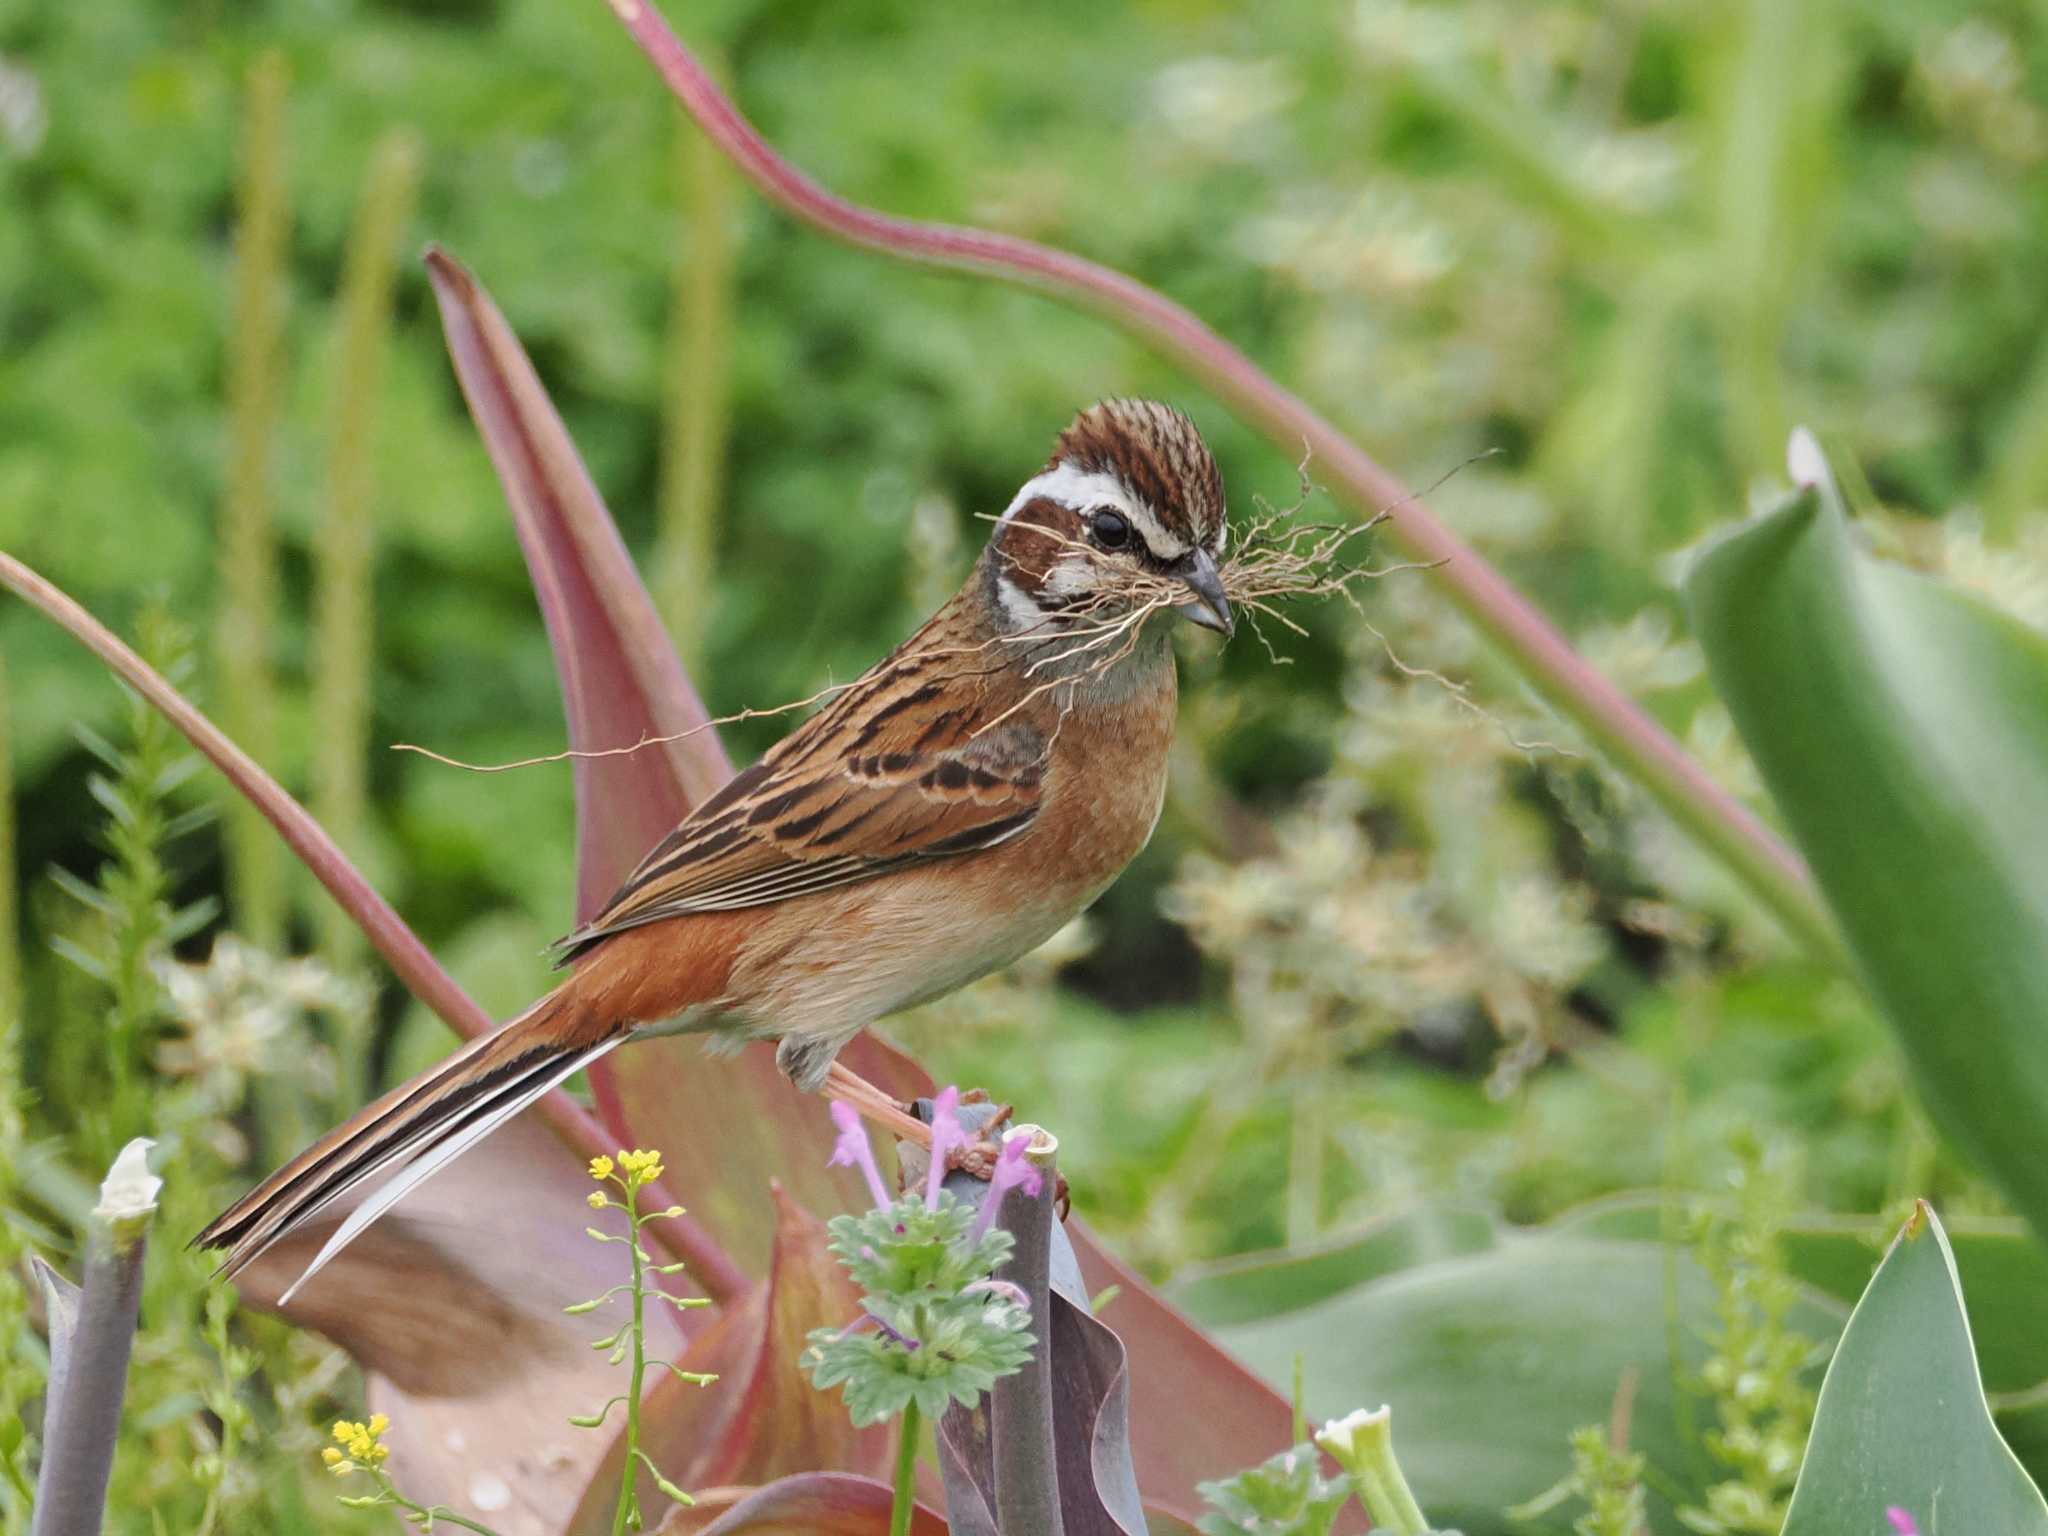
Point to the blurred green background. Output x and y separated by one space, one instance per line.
1393 940
1620 246
1624 247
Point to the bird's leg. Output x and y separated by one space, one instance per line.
871 1103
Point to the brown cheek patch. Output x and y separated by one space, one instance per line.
1032 540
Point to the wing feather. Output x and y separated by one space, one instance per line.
897 769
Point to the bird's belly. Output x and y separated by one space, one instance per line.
826 965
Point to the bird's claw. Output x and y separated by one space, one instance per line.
978 1157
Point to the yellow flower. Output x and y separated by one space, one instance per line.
597 1200
601 1167
641 1165
361 1442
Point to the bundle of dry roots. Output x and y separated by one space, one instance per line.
1274 559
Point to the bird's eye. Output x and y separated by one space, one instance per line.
1111 528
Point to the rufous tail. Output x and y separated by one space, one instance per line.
416 1129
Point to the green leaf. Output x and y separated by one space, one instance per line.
2004 1270
1262 1285
1902 1419
1286 1495
1492 1359
1902 729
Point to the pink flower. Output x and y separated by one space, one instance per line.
1903 1523
1013 1170
852 1151
946 1136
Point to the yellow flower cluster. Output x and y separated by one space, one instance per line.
637 1166
644 1165
363 1444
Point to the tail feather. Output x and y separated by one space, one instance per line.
416 1129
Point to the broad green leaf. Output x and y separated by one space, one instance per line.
1491 1359
1257 1286
1902 729
2004 1270
1902 1420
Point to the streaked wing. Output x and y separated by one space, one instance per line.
905 765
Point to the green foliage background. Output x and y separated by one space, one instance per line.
1382 948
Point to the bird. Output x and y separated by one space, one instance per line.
941 816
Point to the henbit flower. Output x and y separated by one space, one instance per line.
600 1167
1903 1523
1013 1170
947 1134
852 1151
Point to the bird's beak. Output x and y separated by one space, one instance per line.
1208 607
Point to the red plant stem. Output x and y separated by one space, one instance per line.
414 963
1481 593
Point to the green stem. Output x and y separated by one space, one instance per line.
430 1515
627 1515
344 545
1391 1503
246 622
906 1473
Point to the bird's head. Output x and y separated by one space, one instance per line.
1127 514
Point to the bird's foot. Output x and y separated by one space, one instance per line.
978 1157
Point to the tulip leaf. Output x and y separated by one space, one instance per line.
1492 1358
2004 1270
454 1303
1902 1421
622 681
1261 1285
1902 729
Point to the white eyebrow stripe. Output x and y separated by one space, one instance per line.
1081 489
1070 486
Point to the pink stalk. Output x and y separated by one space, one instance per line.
1567 680
414 964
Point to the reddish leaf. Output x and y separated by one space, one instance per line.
731 1126
818 1504
455 1300
763 1419
621 678
1196 1414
